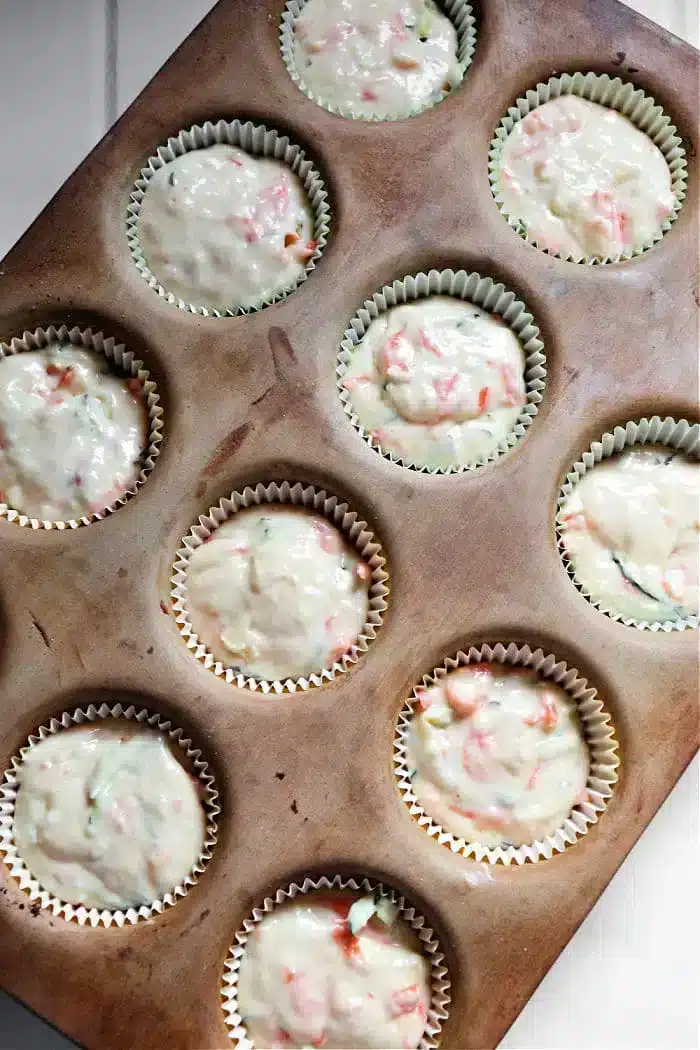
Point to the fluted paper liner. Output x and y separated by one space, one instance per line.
599 735
458 11
613 93
259 141
470 287
317 500
78 912
439 976
680 435
125 362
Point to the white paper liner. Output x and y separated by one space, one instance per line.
458 11
639 108
125 362
599 735
439 976
470 287
78 912
355 530
259 141
680 435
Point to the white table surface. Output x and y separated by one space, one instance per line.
629 979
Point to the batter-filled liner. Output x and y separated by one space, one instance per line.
599 735
632 103
345 520
88 716
680 435
439 976
121 361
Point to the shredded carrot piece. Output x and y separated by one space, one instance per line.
341 905
444 387
480 669
473 768
404 63
513 396
428 343
339 652
405 1000
398 27
362 570
423 703
326 534
576 522
346 940
462 706
290 239
65 374
547 717
532 780
483 399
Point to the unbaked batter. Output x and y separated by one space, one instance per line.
584 180
277 592
106 816
220 228
71 433
307 980
377 58
632 533
438 382
497 755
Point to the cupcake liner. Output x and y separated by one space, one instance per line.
598 731
79 913
680 435
470 287
439 978
257 140
458 11
117 354
338 514
631 102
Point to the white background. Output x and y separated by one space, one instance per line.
629 979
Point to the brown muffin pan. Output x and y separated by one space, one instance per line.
306 780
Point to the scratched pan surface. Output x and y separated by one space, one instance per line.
472 557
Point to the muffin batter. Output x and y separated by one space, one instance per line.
438 382
71 433
277 593
631 530
378 58
308 980
584 180
220 228
106 816
498 754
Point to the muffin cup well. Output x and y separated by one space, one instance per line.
259 141
458 11
598 732
124 360
680 435
339 514
632 103
483 292
439 976
78 912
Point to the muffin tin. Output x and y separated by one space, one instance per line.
306 781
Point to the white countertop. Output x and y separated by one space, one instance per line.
629 979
